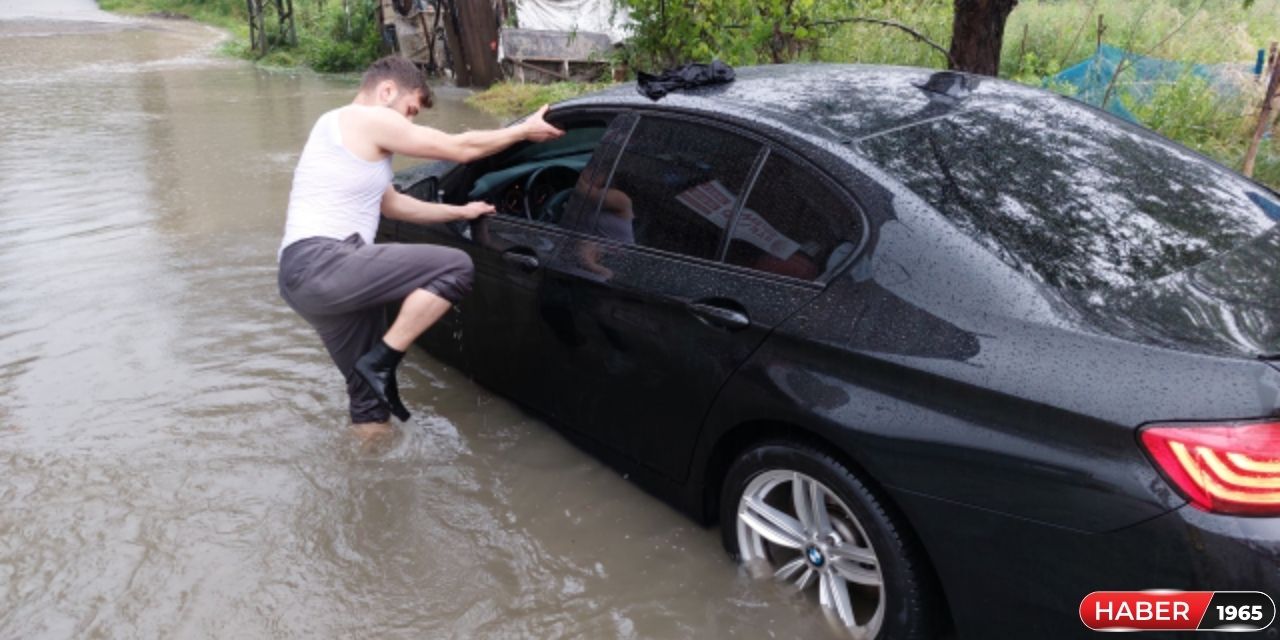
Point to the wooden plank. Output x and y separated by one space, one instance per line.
526 65
561 60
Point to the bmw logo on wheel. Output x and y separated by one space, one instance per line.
815 557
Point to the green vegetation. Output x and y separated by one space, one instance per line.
1042 38
1057 33
509 99
329 38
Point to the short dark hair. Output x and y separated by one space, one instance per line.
401 71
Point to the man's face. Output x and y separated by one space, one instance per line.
405 103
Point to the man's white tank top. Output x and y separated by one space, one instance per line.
335 192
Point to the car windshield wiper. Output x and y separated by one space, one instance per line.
1269 357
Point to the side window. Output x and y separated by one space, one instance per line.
674 187
583 200
536 181
793 223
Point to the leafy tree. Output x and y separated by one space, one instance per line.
738 31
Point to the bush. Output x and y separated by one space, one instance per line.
333 41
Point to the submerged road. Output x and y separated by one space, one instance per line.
174 461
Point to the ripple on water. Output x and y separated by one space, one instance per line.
172 435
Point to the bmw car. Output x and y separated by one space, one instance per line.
946 353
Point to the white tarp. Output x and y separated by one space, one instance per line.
574 15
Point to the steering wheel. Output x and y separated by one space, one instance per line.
541 187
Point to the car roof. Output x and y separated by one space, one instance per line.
842 102
1114 217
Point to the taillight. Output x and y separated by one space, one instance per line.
1223 468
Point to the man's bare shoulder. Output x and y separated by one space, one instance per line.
362 115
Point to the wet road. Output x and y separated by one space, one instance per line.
173 457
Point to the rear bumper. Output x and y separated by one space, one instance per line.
1007 577
1230 552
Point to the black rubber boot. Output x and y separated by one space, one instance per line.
378 369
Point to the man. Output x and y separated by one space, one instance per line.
333 275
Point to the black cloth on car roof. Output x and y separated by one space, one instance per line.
696 74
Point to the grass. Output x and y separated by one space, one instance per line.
510 99
1043 37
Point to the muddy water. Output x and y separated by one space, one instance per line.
173 458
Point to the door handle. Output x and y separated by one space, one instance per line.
720 316
520 259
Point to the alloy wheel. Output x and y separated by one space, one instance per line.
798 530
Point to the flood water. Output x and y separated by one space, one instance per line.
174 459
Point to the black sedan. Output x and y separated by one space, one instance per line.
946 353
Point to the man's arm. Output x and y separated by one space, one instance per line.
398 206
394 133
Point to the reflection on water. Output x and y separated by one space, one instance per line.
172 449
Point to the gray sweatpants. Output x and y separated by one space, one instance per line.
343 287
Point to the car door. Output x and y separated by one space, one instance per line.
439 339
656 321
508 343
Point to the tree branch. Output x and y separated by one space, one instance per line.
896 25
884 23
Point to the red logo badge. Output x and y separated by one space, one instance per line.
1162 610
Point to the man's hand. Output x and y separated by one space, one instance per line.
400 206
473 210
537 129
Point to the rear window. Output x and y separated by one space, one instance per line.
1072 198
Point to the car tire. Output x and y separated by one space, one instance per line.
858 522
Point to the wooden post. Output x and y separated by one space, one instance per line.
453 42
1102 30
1264 118
478 27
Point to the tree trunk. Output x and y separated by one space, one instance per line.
977 32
